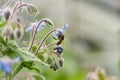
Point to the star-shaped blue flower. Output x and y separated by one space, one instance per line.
59 31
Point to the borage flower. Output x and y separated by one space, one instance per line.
59 31
41 26
59 49
6 63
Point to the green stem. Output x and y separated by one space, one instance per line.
6 76
43 40
17 6
33 35
19 67
10 76
32 41
52 44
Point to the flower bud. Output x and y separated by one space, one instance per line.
7 13
32 9
7 31
59 49
55 65
12 36
48 22
18 32
61 62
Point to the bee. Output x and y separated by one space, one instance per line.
60 38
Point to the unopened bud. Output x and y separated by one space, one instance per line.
61 62
32 9
18 20
48 22
59 50
12 36
55 65
18 32
7 31
7 13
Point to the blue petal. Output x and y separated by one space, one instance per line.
41 27
59 32
29 29
65 27
55 35
6 67
16 59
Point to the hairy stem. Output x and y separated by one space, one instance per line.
21 5
52 44
43 40
58 55
17 6
33 35
32 41
14 9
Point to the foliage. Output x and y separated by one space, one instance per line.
44 51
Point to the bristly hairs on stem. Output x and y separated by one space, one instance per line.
17 6
43 40
52 44
34 32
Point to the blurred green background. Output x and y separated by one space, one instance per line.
92 39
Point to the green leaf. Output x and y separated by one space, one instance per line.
39 77
2 40
3 23
32 9
34 48
10 49
13 24
28 57
19 67
13 44
30 66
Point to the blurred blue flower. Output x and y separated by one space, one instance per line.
41 26
6 63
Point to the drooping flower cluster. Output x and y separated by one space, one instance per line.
55 60
36 50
